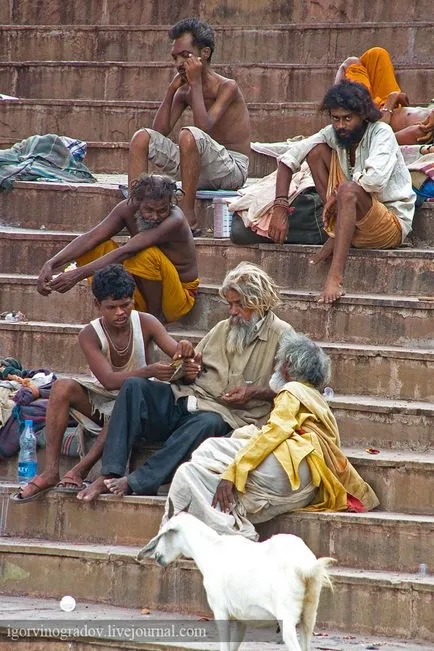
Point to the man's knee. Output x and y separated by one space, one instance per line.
187 141
65 388
319 153
140 141
349 191
212 423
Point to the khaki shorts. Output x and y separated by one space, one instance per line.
378 229
220 169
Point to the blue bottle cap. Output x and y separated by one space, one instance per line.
28 423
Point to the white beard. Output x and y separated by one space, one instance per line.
277 381
241 334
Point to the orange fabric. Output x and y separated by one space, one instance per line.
378 229
376 72
151 264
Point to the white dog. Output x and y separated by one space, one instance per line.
279 579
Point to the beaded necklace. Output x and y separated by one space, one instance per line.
120 351
350 166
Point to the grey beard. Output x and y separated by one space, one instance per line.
241 334
144 224
277 381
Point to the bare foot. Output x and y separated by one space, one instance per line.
118 486
324 253
94 490
333 290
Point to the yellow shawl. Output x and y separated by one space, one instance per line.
301 426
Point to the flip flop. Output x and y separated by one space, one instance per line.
19 499
69 478
196 232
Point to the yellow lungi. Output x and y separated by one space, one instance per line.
378 229
376 72
152 264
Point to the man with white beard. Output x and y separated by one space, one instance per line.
292 462
225 386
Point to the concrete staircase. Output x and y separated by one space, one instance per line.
96 70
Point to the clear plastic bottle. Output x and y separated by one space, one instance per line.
328 393
27 459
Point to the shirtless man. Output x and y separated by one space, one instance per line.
374 69
117 346
214 152
160 253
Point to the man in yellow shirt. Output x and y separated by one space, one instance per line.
293 462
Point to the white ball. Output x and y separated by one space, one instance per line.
67 604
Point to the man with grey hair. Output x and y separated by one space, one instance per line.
293 462
225 386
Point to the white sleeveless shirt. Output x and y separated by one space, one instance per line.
138 356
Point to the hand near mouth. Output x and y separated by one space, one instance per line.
193 69
178 81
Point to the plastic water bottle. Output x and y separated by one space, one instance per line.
27 460
328 393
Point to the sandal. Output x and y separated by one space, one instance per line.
41 486
70 478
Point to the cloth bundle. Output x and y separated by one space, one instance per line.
43 158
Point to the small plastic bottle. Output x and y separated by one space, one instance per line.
328 393
27 459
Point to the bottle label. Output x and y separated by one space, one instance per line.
27 470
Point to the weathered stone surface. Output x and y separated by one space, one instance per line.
390 541
406 271
359 318
260 82
380 371
119 12
407 43
118 121
110 575
80 206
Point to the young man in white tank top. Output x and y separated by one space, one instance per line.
116 347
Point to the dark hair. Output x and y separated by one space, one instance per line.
153 186
113 281
351 96
202 33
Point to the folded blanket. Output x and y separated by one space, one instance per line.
41 158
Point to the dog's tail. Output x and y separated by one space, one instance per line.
317 578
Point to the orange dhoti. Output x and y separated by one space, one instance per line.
152 264
378 229
376 72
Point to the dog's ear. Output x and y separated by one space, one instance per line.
148 550
171 509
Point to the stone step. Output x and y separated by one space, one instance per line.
357 318
79 206
391 372
117 121
260 82
112 157
230 12
407 42
364 420
407 270
131 630
401 603
134 520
